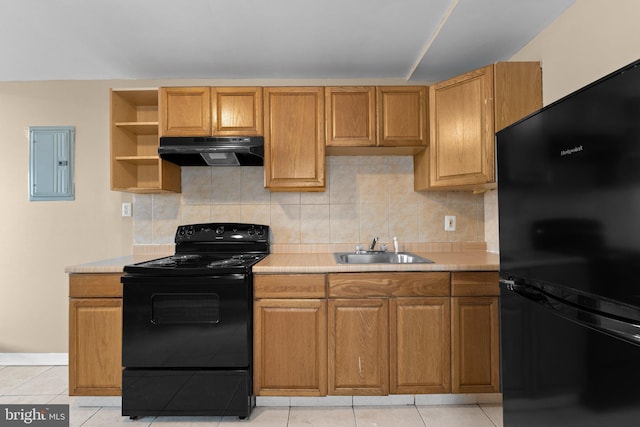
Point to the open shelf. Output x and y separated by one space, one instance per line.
139 128
135 164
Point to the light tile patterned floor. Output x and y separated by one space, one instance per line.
49 384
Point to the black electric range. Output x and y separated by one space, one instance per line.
187 324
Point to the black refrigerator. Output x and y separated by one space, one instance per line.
569 218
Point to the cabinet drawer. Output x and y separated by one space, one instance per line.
289 286
475 283
95 285
357 285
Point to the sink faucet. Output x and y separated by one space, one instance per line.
373 243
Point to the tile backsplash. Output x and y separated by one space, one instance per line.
366 196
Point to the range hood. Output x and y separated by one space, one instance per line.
213 151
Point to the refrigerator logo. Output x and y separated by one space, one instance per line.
571 151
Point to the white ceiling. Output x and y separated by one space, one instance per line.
415 40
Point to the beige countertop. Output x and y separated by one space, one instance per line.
323 263
111 265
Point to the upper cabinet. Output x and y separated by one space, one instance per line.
185 111
135 164
448 127
464 114
351 116
236 111
294 139
207 111
402 116
393 119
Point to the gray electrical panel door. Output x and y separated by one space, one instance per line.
51 151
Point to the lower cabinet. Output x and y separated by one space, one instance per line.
290 335
376 334
475 339
419 345
359 346
95 335
396 340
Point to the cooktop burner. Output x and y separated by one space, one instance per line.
186 261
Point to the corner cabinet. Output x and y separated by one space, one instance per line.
135 164
95 335
464 114
294 139
211 111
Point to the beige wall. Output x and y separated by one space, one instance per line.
591 39
40 238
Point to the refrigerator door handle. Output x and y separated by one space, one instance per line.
524 291
626 330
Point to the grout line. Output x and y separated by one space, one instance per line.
487 415
288 414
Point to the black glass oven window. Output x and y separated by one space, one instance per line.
185 308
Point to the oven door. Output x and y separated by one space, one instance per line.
188 322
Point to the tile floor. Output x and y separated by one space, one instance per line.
49 384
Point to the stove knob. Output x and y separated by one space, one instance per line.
260 232
220 230
251 232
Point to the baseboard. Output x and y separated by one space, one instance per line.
390 400
20 359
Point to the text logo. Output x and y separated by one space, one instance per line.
34 415
571 150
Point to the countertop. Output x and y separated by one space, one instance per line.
111 265
323 263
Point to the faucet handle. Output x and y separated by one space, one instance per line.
373 243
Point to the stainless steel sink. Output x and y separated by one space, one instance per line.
379 258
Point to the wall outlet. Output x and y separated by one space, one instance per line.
449 223
126 209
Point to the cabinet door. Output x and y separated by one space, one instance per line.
185 111
475 345
236 110
358 347
351 116
95 347
294 139
290 347
462 146
420 359
402 116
